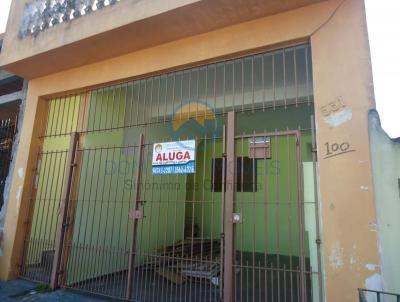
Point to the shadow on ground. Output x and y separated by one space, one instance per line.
21 290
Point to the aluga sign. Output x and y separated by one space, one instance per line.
174 157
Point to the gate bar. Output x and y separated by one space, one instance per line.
62 226
303 284
229 208
318 229
132 251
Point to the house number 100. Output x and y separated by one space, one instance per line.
336 148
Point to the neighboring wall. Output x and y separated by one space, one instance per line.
385 155
11 104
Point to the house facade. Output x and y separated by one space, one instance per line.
193 150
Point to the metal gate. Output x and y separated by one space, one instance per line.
265 217
244 227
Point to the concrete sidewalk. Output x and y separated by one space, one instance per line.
21 290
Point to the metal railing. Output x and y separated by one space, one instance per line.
379 295
41 14
7 131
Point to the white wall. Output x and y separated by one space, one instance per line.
386 173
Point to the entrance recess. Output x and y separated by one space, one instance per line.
243 227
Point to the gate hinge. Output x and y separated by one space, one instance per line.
224 154
222 235
318 241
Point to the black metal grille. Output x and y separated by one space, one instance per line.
7 133
376 295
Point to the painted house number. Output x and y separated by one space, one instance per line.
335 149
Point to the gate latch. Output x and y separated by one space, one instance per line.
237 218
136 214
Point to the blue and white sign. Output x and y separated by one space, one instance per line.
174 157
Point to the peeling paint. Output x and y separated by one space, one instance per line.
339 118
371 267
372 227
18 197
364 188
21 173
354 260
336 256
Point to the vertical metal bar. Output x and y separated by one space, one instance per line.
289 207
192 233
307 76
284 77
295 75
278 205
63 116
29 213
243 85
132 251
61 227
318 241
158 98
166 97
113 90
254 188
229 207
273 82
131 102
215 86
67 100
266 221
233 85
223 218
239 186
263 81
224 89
303 285
252 84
